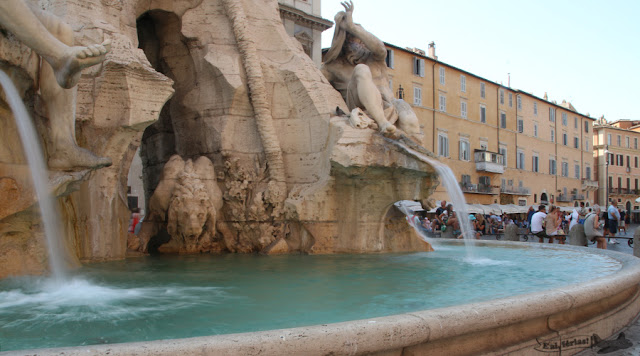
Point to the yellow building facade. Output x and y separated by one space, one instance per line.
617 163
505 146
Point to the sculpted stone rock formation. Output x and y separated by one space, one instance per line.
106 113
223 80
186 203
355 65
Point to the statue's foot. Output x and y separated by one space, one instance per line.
387 128
77 158
70 66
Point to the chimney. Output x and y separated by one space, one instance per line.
432 50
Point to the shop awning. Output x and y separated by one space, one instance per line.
490 209
513 209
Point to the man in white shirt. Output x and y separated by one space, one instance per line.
537 221
614 217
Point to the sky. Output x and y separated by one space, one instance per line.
584 51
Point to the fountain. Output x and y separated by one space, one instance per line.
39 178
306 194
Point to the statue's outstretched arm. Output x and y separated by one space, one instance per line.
372 42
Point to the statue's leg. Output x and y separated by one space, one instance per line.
407 119
29 25
64 152
369 96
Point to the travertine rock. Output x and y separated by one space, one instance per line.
186 203
577 236
124 94
511 233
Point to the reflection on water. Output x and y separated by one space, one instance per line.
175 297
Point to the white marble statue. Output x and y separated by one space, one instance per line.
355 65
52 39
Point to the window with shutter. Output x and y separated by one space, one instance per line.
417 96
443 103
389 59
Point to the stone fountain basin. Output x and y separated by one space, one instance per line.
517 324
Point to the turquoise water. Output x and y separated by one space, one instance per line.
175 297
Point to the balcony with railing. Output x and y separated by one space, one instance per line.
577 196
624 191
565 198
588 184
478 189
511 190
487 161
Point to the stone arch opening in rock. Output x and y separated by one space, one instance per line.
160 37
401 224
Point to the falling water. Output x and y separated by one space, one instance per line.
408 213
455 194
31 145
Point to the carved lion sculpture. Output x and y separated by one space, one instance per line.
186 202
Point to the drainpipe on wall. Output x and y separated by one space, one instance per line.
498 120
517 129
581 148
433 89
555 122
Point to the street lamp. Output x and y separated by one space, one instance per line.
400 92
606 177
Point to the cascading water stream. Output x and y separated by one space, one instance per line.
31 145
455 194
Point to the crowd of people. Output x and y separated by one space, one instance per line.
547 222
